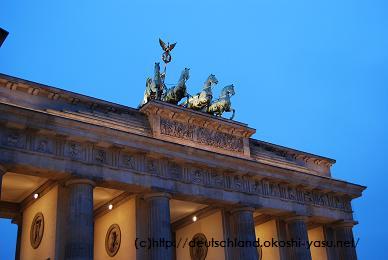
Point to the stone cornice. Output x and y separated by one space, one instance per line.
55 94
321 165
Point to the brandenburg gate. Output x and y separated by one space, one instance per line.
84 178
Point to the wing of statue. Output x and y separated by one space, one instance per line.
172 46
163 45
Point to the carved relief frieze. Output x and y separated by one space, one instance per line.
237 183
220 140
174 170
291 193
14 138
283 191
75 151
43 144
308 197
100 155
128 161
167 168
176 129
208 137
217 180
274 190
198 176
152 166
257 187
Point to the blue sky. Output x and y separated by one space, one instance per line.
311 75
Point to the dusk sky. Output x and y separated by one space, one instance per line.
310 75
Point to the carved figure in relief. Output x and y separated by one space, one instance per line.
201 100
175 94
223 103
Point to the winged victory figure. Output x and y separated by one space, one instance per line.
166 56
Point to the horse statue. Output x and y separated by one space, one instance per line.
223 103
202 100
154 87
175 94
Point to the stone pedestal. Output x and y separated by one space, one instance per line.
344 236
79 237
297 233
243 229
159 226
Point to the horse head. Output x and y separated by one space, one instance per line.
185 75
227 91
210 81
157 67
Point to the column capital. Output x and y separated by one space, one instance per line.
249 209
80 181
149 196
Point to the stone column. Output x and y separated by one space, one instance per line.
281 228
243 229
297 233
345 243
159 226
79 224
330 238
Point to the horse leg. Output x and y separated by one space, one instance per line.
233 110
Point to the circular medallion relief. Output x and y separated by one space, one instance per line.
113 240
37 229
199 249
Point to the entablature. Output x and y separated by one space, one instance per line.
107 147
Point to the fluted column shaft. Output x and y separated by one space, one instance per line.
243 229
297 233
344 236
159 226
79 240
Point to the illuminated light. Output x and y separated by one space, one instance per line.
36 195
110 207
195 218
